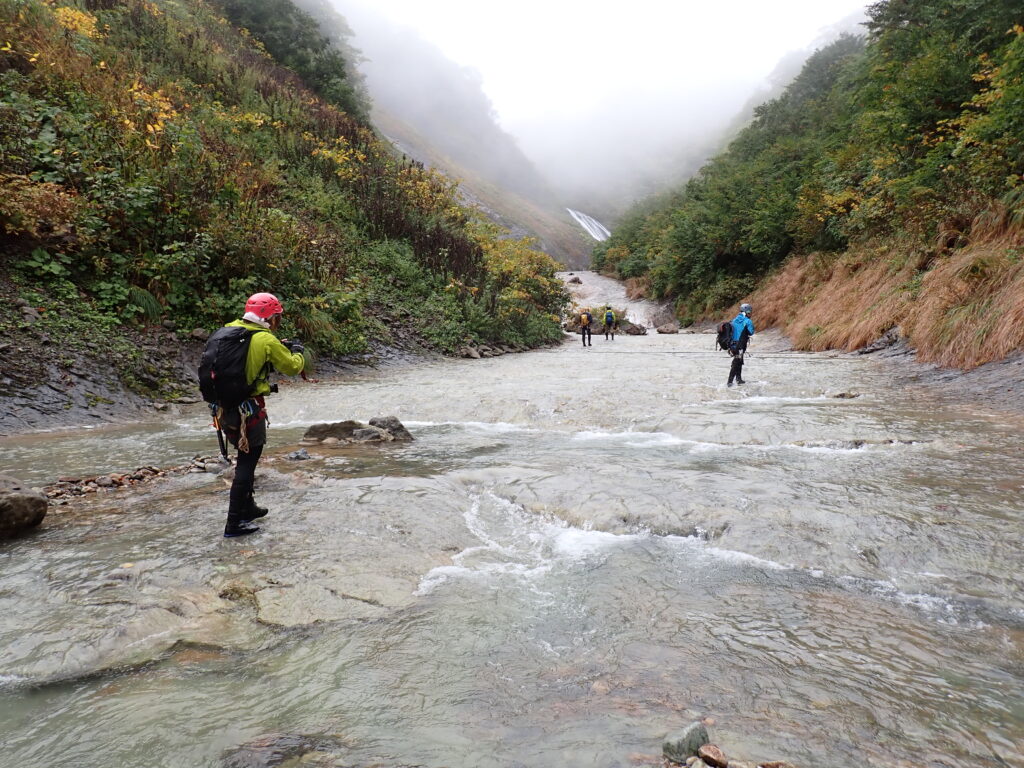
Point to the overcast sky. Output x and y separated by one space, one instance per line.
618 100
553 59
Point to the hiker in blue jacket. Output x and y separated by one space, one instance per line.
742 330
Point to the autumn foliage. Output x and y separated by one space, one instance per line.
159 159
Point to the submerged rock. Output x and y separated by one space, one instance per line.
21 508
310 603
685 743
279 750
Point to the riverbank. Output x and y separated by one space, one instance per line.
67 365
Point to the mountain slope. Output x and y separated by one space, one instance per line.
157 162
881 191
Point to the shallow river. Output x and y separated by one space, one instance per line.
582 551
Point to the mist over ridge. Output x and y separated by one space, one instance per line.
629 146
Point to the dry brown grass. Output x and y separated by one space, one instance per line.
638 288
965 310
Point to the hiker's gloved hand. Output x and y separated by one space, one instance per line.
294 346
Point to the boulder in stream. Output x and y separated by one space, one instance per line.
679 746
668 328
392 426
21 508
381 429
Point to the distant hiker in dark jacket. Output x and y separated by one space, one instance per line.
586 324
742 330
246 426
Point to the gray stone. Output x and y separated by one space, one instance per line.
371 435
392 426
471 352
668 328
30 314
20 507
340 430
200 333
574 280
683 744
300 455
103 481
169 325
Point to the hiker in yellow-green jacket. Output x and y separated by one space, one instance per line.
245 424
610 323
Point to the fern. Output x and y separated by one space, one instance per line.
146 302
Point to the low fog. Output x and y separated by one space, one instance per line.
571 104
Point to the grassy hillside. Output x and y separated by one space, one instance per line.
883 189
157 160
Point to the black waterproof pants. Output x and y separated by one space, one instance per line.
240 500
587 334
241 497
736 370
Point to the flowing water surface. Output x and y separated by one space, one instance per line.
582 551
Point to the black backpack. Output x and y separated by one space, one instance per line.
222 368
724 338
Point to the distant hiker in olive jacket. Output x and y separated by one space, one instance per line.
246 426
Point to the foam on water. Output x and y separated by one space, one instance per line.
519 544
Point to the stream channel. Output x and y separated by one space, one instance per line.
583 550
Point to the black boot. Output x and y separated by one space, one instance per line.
251 511
239 528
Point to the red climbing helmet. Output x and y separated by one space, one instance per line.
264 305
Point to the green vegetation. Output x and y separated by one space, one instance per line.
156 160
907 143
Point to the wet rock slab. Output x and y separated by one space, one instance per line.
369 596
